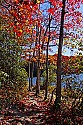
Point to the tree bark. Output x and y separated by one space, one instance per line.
29 70
59 60
46 85
29 78
32 70
38 63
38 78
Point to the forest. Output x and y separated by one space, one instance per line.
40 84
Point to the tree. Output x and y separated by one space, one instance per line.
64 24
13 77
66 18
59 70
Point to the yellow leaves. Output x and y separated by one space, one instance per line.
32 27
17 23
27 21
34 59
41 67
30 31
38 1
42 60
80 18
46 39
20 31
1 27
51 88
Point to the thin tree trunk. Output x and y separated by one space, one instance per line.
32 70
29 70
29 78
38 78
46 85
38 63
59 60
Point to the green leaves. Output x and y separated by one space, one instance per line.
13 77
51 74
3 77
21 75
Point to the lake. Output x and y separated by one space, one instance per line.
73 78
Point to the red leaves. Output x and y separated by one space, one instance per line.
51 11
38 46
54 3
19 33
36 111
12 24
70 1
34 31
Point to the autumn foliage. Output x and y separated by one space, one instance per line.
28 31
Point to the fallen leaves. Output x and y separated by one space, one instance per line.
34 110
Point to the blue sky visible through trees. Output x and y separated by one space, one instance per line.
66 51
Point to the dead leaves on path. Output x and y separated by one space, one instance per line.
34 110
31 110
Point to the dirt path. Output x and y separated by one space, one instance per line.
32 110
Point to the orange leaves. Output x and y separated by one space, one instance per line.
13 13
34 59
16 1
46 39
52 59
28 30
19 33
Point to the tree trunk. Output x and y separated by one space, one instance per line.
38 78
38 63
46 85
32 70
59 60
29 78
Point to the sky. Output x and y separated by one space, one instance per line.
66 51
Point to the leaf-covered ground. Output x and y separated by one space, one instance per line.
34 110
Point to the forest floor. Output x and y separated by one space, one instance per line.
34 110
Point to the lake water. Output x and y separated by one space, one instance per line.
73 78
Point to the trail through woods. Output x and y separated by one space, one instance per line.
34 110
31 110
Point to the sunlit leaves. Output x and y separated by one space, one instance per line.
51 11
25 19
